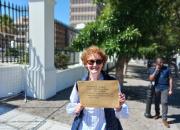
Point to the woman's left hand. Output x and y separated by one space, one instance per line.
122 100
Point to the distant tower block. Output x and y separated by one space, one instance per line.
83 11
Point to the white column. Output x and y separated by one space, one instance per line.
41 74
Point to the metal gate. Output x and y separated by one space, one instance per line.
14 33
14 38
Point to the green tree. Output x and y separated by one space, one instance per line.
169 33
124 29
6 23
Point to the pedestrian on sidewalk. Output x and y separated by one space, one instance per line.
162 76
88 118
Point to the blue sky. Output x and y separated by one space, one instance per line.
61 9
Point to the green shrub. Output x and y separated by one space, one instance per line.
61 60
25 59
12 52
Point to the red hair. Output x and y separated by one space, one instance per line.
93 50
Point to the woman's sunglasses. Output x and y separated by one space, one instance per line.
98 62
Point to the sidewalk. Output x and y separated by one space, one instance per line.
51 115
17 120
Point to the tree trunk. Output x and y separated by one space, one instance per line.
125 68
126 65
119 70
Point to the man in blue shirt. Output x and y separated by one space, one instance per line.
162 77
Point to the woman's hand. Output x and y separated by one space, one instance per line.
122 100
78 108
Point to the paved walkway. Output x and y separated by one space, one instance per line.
12 119
15 114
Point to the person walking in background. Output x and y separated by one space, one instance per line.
161 74
88 118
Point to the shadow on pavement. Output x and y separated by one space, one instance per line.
62 95
134 72
137 72
176 119
137 69
137 93
4 108
174 99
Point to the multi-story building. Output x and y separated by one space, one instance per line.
83 11
12 33
63 35
22 29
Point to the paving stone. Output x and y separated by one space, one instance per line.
4 126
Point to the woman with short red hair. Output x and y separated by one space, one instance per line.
88 118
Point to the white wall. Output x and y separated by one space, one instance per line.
11 80
67 78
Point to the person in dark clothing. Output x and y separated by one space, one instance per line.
162 77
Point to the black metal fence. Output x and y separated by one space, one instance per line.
14 38
14 33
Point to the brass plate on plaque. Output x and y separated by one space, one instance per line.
100 93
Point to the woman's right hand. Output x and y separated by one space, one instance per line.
78 108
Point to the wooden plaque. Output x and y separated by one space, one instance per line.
100 93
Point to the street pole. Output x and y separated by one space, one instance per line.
150 93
